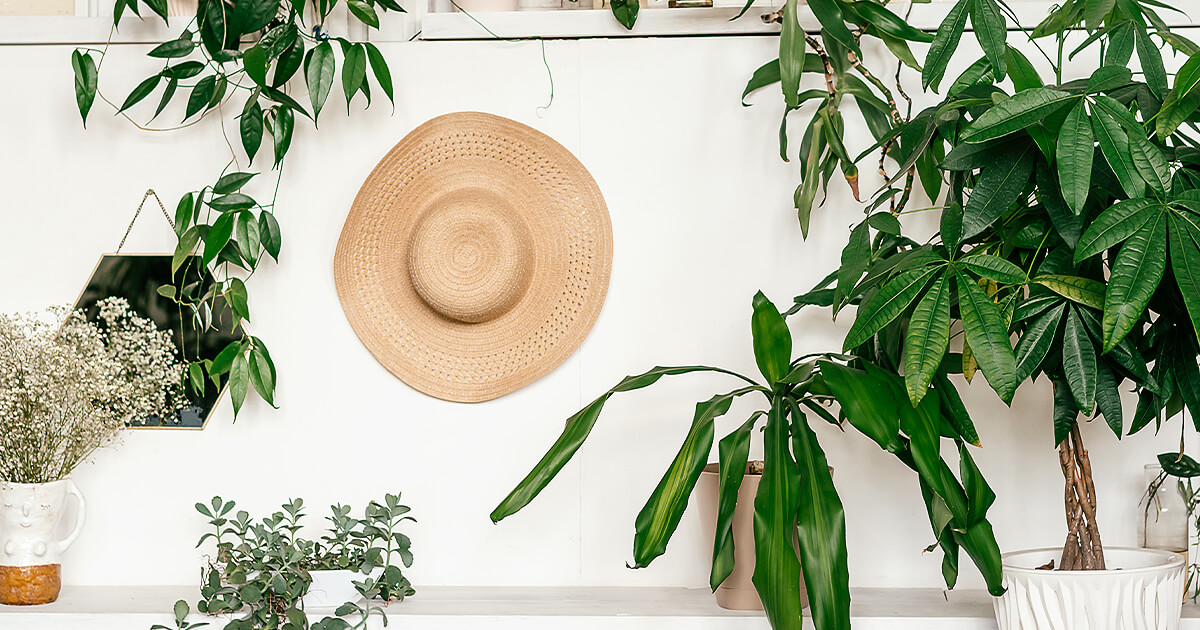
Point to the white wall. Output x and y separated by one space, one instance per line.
701 213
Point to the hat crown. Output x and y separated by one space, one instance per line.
471 256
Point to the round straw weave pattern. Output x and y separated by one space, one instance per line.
475 258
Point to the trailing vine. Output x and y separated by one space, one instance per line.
245 55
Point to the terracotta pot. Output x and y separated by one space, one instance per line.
30 568
737 591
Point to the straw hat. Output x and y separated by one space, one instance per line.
475 258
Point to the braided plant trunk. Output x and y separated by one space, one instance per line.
1082 550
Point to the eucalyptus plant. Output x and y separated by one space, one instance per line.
797 500
245 56
1069 216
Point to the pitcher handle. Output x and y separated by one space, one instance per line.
73 490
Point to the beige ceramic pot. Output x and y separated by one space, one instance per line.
737 591
30 551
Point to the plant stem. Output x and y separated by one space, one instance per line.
1083 550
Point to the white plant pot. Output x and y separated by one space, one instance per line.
1142 590
330 589
30 549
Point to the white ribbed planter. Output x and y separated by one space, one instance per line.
1142 590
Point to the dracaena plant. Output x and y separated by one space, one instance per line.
1069 217
797 499
240 58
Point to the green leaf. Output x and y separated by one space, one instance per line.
945 42
1079 362
255 62
262 375
772 339
251 128
866 402
158 6
239 379
577 429
247 234
1107 78
285 121
1083 291
998 187
1182 100
855 257
990 30
1075 152
268 234
886 305
85 82
1108 398
167 291
833 24
237 297
1150 163
1016 113
187 242
223 362
1152 63
201 95
777 568
318 73
767 74
173 49
988 336
140 92
196 375
1114 145
218 236
379 67
1114 225
354 71
1035 342
167 95
232 202
980 496
626 12
734 452
1024 76
1185 263
658 519
995 268
364 12
820 531
890 23
232 182
1121 44
184 211
1179 465
1136 272
927 339
792 58
1065 412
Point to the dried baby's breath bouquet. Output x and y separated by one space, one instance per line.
68 386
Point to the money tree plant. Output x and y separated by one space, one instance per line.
1069 213
799 522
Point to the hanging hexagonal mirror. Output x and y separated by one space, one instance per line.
199 335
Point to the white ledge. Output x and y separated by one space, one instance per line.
533 608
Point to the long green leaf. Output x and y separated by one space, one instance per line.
1182 100
1185 263
776 566
866 402
577 429
1036 341
86 77
999 186
833 24
927 339
988 336
772 339
980 496
140 92
945 42
1079 362
1017 112
954 410
1113 226
657 520
887 304
1150 164
1136 273
820 530
250 126
1083 291
994 268
354 71
792 57
1114 145
1074 158
990 30
734 452
379 66
318 73
1152 63
1065 412
1108 398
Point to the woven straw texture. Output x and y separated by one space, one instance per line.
475 258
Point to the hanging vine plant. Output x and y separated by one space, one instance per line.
242 56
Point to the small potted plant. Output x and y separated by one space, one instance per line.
262 570
68 386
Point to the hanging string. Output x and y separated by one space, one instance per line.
149 193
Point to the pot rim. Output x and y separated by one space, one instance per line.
1168 560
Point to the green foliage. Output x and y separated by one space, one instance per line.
260 568
245 57
801 521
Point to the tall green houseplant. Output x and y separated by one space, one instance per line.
1070 218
